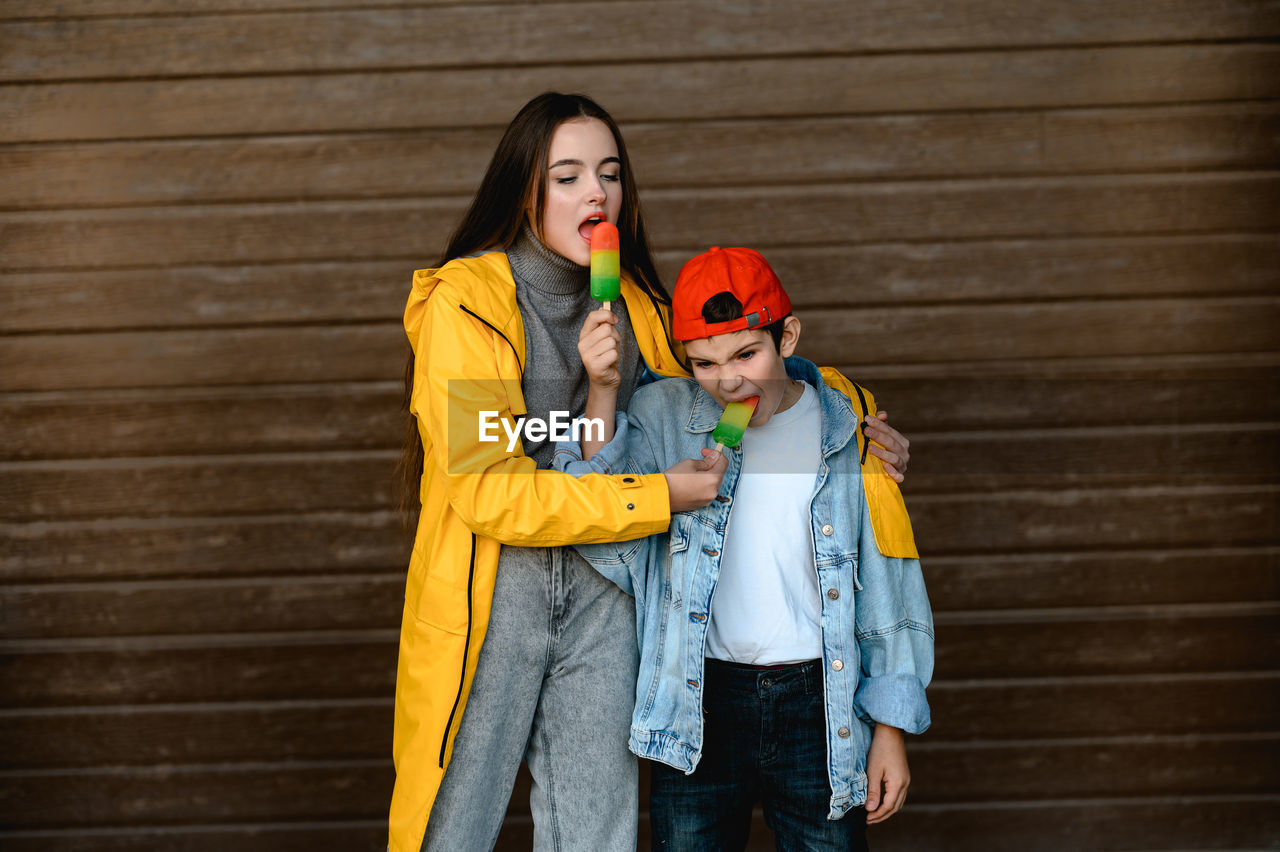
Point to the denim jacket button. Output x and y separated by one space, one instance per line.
837 665
827 529
843 733
833 594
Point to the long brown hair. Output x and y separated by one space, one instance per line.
515 181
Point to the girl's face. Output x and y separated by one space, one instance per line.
583 187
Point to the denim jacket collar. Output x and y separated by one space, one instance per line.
838 419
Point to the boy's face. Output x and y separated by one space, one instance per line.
741 364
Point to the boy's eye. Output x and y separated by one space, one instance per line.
746 355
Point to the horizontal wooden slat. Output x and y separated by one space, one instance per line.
120 796
250 667
638 91
367 835
884 274
204 547
364 480
961 710
1090 520
1108 642
214 420
1219 703
715 153
334 482
1215 453
1141 766
279 667
215 296
668 30
356 789
1139 823
1151 395
343 543
140 736
205 606
1152 327
188 358
1091 578
25 9
762 217
376 352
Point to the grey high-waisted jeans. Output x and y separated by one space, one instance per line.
555 685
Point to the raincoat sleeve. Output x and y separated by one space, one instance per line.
500 493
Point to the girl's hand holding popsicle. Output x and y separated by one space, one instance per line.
600 347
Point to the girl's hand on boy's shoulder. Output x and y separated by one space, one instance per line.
887 774
600 347
889 444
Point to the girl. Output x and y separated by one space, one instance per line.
512 646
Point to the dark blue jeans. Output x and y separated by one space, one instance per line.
764 740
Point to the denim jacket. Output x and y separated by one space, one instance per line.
877 628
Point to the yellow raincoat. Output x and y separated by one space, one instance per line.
468 338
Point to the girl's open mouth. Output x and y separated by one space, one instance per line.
588 225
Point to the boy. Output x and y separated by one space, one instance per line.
785 633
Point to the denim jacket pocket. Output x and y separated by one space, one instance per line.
842 563
681 531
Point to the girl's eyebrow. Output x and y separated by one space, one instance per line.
579 162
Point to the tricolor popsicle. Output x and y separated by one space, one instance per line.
606 283
733 423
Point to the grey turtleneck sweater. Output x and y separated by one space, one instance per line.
554 297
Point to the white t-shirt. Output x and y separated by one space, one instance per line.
767 608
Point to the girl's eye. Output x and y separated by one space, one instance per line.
565 179
614 178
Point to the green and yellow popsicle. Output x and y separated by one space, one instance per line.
606 281
733 423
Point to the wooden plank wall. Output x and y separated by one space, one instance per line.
1043 232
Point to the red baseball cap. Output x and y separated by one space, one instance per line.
741 271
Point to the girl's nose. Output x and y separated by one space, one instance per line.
595 193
